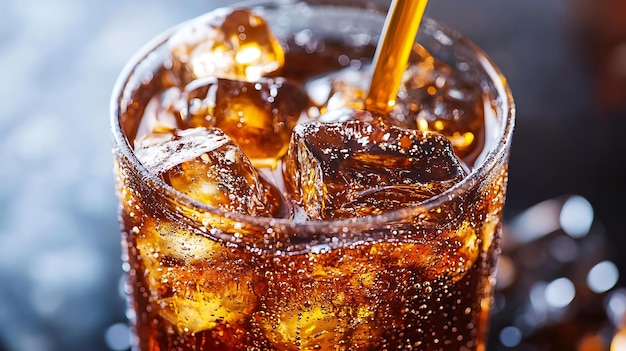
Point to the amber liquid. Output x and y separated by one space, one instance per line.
368 297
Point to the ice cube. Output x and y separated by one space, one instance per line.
185 293
208 166
447 257
321 314
203 303
161 116
235 45
165 238
356 168
435 97
258 116
347 114
344 89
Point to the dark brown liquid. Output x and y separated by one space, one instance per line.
420 284
430 295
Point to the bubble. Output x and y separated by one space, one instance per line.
191 298
319 314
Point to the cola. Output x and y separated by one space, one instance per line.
263 208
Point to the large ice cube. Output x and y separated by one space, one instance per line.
236 45
435 97
319 314
162 115
191 278
208 166
258 116
356 168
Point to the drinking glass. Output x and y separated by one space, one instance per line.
416 278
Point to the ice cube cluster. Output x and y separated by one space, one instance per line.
337 160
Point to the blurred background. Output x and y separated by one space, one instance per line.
565 258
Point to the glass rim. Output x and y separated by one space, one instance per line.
495 154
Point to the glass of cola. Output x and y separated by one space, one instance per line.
263 208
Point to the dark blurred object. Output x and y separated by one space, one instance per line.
598 31
601 24
557 283
571 143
